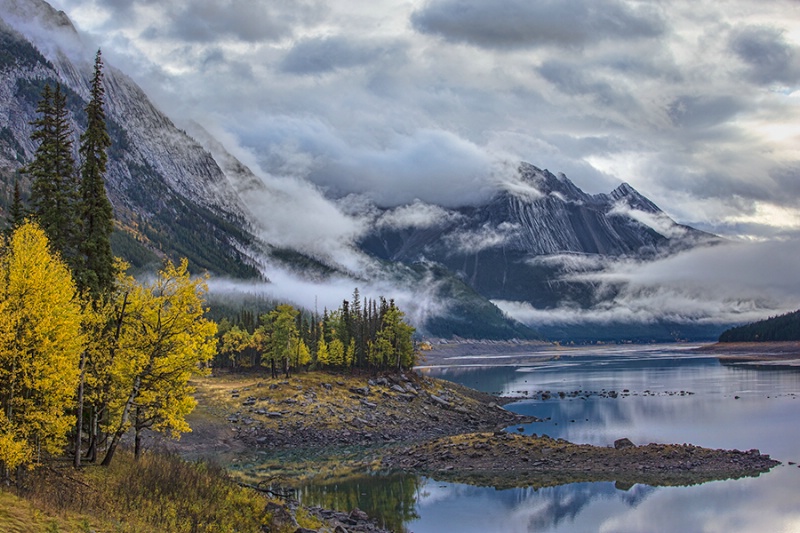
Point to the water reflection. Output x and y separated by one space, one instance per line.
391 500
729 407
674 397
741 506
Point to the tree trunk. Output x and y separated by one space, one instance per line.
123 425
79 421
137 439
91 453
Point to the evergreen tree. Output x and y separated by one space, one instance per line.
93 264
97 271
17 212
54 184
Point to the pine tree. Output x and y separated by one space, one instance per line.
97 271
17 212
54 184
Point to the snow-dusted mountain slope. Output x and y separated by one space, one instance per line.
499 247
167 190
186 195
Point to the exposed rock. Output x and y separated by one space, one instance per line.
282 518
517 460
440 401
622 444
358 514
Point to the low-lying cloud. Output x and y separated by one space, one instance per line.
723 284
418 300
416 215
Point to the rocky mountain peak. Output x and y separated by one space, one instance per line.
634 199
27 14
549 184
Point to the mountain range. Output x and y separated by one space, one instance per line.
176 194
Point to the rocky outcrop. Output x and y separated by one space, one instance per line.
307 411
503 459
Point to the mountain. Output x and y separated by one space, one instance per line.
178 195
169 194
523 242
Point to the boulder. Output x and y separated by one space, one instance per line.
622 444
358 514
281 518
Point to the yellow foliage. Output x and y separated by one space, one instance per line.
165 340
40 345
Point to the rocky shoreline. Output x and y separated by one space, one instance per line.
320 424
342 411
503 459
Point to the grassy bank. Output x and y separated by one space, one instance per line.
159 493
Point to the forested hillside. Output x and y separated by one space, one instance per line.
779 328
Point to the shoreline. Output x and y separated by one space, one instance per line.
770 354
506 460
330 425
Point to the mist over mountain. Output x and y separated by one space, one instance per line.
534 252
507 248
168 193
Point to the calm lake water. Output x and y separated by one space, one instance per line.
665 394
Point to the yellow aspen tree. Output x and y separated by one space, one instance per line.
41 342
259 343
323 355
336 351
350 354
164 341
234 343
283 335
103 324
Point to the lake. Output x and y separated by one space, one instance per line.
664 394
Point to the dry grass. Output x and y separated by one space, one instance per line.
316 399
158 493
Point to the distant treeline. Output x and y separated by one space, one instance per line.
778 328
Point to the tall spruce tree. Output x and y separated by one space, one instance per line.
54 183
95 270
96 274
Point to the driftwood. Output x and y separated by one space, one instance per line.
288 495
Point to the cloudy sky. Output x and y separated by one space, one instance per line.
693 103
416 102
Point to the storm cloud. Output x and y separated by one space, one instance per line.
769 57
325 54
522 24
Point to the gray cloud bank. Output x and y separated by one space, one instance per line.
523 24
723 284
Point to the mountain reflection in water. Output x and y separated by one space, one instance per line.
663 394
